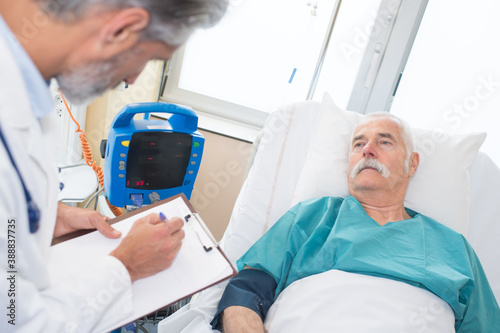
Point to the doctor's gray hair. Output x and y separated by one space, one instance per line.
404 129
171 21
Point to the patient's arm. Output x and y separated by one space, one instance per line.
245 302
239 319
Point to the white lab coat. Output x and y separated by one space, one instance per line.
101 294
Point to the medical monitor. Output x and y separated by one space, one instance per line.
149 160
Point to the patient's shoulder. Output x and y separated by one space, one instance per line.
313 212
440 233
437 226
322 199
316 203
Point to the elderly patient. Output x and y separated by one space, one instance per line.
369 232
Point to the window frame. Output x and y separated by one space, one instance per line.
380 94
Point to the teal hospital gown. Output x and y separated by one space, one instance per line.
335 233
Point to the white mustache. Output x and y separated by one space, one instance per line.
370 163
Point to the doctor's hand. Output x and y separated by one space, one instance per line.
150 246
71 219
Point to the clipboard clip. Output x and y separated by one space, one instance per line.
188 219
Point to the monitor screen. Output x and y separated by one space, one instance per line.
158 160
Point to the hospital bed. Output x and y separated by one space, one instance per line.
302 153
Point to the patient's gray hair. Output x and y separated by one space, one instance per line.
172 21
404 130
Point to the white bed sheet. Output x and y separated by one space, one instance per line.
268 193
337 301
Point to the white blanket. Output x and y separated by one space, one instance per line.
336 301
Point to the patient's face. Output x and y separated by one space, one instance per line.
377 158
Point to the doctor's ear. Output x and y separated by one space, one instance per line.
122 31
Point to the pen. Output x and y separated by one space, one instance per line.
162 216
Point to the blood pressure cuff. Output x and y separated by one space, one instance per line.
251 288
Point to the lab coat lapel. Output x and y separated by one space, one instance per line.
15 114
28 141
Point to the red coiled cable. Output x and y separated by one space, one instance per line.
89 159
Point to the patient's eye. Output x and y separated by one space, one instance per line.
385 143
357 145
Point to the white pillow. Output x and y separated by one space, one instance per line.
439 189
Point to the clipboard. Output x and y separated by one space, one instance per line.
199 264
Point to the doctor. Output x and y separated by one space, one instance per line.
88 46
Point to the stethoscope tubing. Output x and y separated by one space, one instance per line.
33 211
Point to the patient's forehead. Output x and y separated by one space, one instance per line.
379 126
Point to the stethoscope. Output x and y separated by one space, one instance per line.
33 211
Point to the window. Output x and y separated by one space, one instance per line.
452 80
268 53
